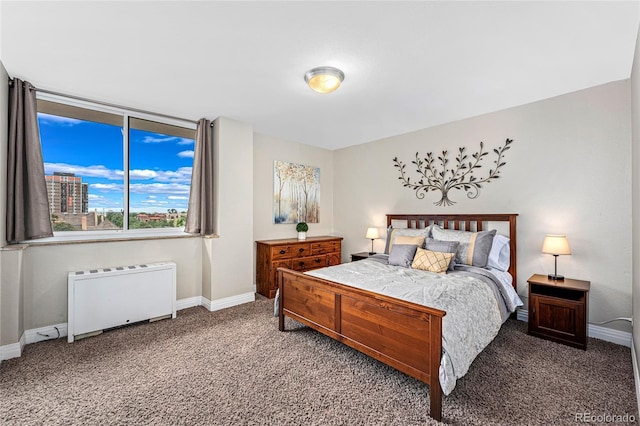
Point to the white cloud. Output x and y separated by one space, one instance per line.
158 139
163 139
185 154
142 174
182 175
57 120
106 187
159 188
99 171
177 197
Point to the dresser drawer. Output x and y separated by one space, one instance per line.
325 247
281 252
301 250
311 262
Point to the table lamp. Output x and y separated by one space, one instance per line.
372 234
556 245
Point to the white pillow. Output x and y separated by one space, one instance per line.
500 256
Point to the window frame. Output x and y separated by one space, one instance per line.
125 233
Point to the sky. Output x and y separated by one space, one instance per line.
160 165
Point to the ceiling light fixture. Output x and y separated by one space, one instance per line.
324 79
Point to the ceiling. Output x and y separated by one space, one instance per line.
408 65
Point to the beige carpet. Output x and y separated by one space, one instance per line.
233 367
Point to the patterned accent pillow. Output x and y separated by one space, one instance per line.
393 233
432 261
474 247
402 255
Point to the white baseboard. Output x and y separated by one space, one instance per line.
596 331
189 302
636 373
228 302
45 333
14 350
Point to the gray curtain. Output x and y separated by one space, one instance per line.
27 204
200 212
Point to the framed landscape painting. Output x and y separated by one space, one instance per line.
296 195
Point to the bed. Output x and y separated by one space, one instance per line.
405 335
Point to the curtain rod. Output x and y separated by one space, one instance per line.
79 98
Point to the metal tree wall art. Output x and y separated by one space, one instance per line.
434 173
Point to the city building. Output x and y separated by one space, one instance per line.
67 194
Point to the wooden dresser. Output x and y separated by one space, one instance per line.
312 253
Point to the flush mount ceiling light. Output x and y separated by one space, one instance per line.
324 79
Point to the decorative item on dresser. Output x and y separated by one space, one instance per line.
302 229
312 253
558 310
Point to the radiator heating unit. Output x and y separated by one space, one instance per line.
105 298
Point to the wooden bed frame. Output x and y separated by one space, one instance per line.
403 335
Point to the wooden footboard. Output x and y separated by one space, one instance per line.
403 335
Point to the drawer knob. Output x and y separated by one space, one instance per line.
301 263
318 260
282 251
300 250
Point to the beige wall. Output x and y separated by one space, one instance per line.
268 149
229 274
635 141
4 101
568 171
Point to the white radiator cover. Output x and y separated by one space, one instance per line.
110 297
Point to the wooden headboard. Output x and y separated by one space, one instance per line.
465 222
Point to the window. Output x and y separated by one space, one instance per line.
111 170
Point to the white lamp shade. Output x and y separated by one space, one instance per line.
372 233
556 244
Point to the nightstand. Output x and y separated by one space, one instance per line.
360 256
558 310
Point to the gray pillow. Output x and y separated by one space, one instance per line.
392 233
443 247
402 255
474 247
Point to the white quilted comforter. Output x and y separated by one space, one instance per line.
472 304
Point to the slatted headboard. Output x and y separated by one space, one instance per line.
465 222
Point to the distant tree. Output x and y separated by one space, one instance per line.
63 226
116 218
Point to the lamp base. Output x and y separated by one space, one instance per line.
556 277
372 252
